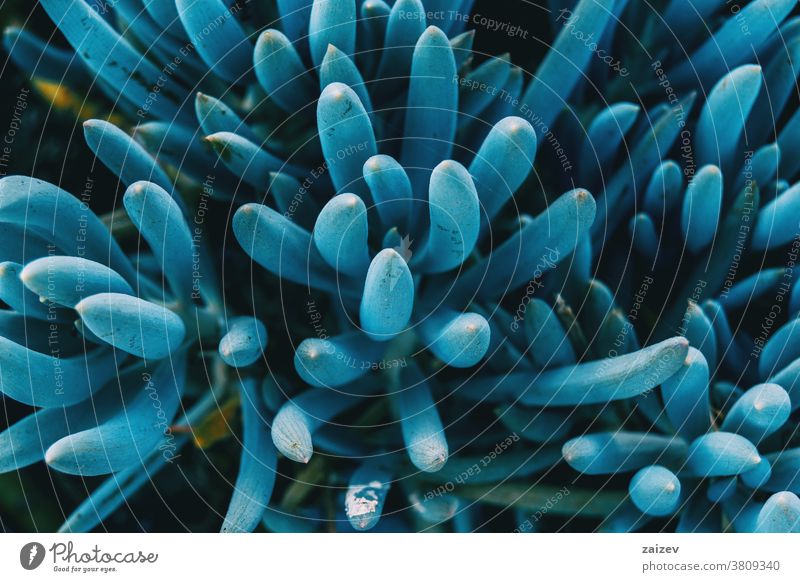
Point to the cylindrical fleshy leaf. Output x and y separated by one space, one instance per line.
701 208
405 25
281 72
618 452
390 188
388 298
761 411
431 108
258 466
341 232
458 339
686 396
777 221
644 237
347 137
247 160
538 246
503 163
549 345
699 330
724 115
67 280
588 383
423 433
299 418
21 299
454 219
782 348
780 514
214 116
663 190
244 342
217 36
162 224
126 438
331 22
606 132
730 46
337 67
336 361
366 493
281 246
132 325
655 490
564 65
123 156
721 454
758 477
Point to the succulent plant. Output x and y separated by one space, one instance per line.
481 291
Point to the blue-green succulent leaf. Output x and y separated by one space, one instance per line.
388 298
549 345
594 382
701 208
502 164
782 348
777 221
337 361
281 246
49 380
337 67
605 135
294 18
215 116
460 340
123 156
161 223
721 454
257 468
664 189
247 160
729 47
655 490
365 496
340 235
620 452
299 418
217 36
531 251
132 325
110 57
455 217
68 280
244 342
404 26
129 436
724 115
780 514
423 433
686 396
281 72
761 411
390 188
566 61
431 108
644 237
331 22
347 137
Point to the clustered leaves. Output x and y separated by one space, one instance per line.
612 347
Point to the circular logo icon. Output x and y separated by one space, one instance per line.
31 555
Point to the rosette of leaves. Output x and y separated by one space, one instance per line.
519 293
